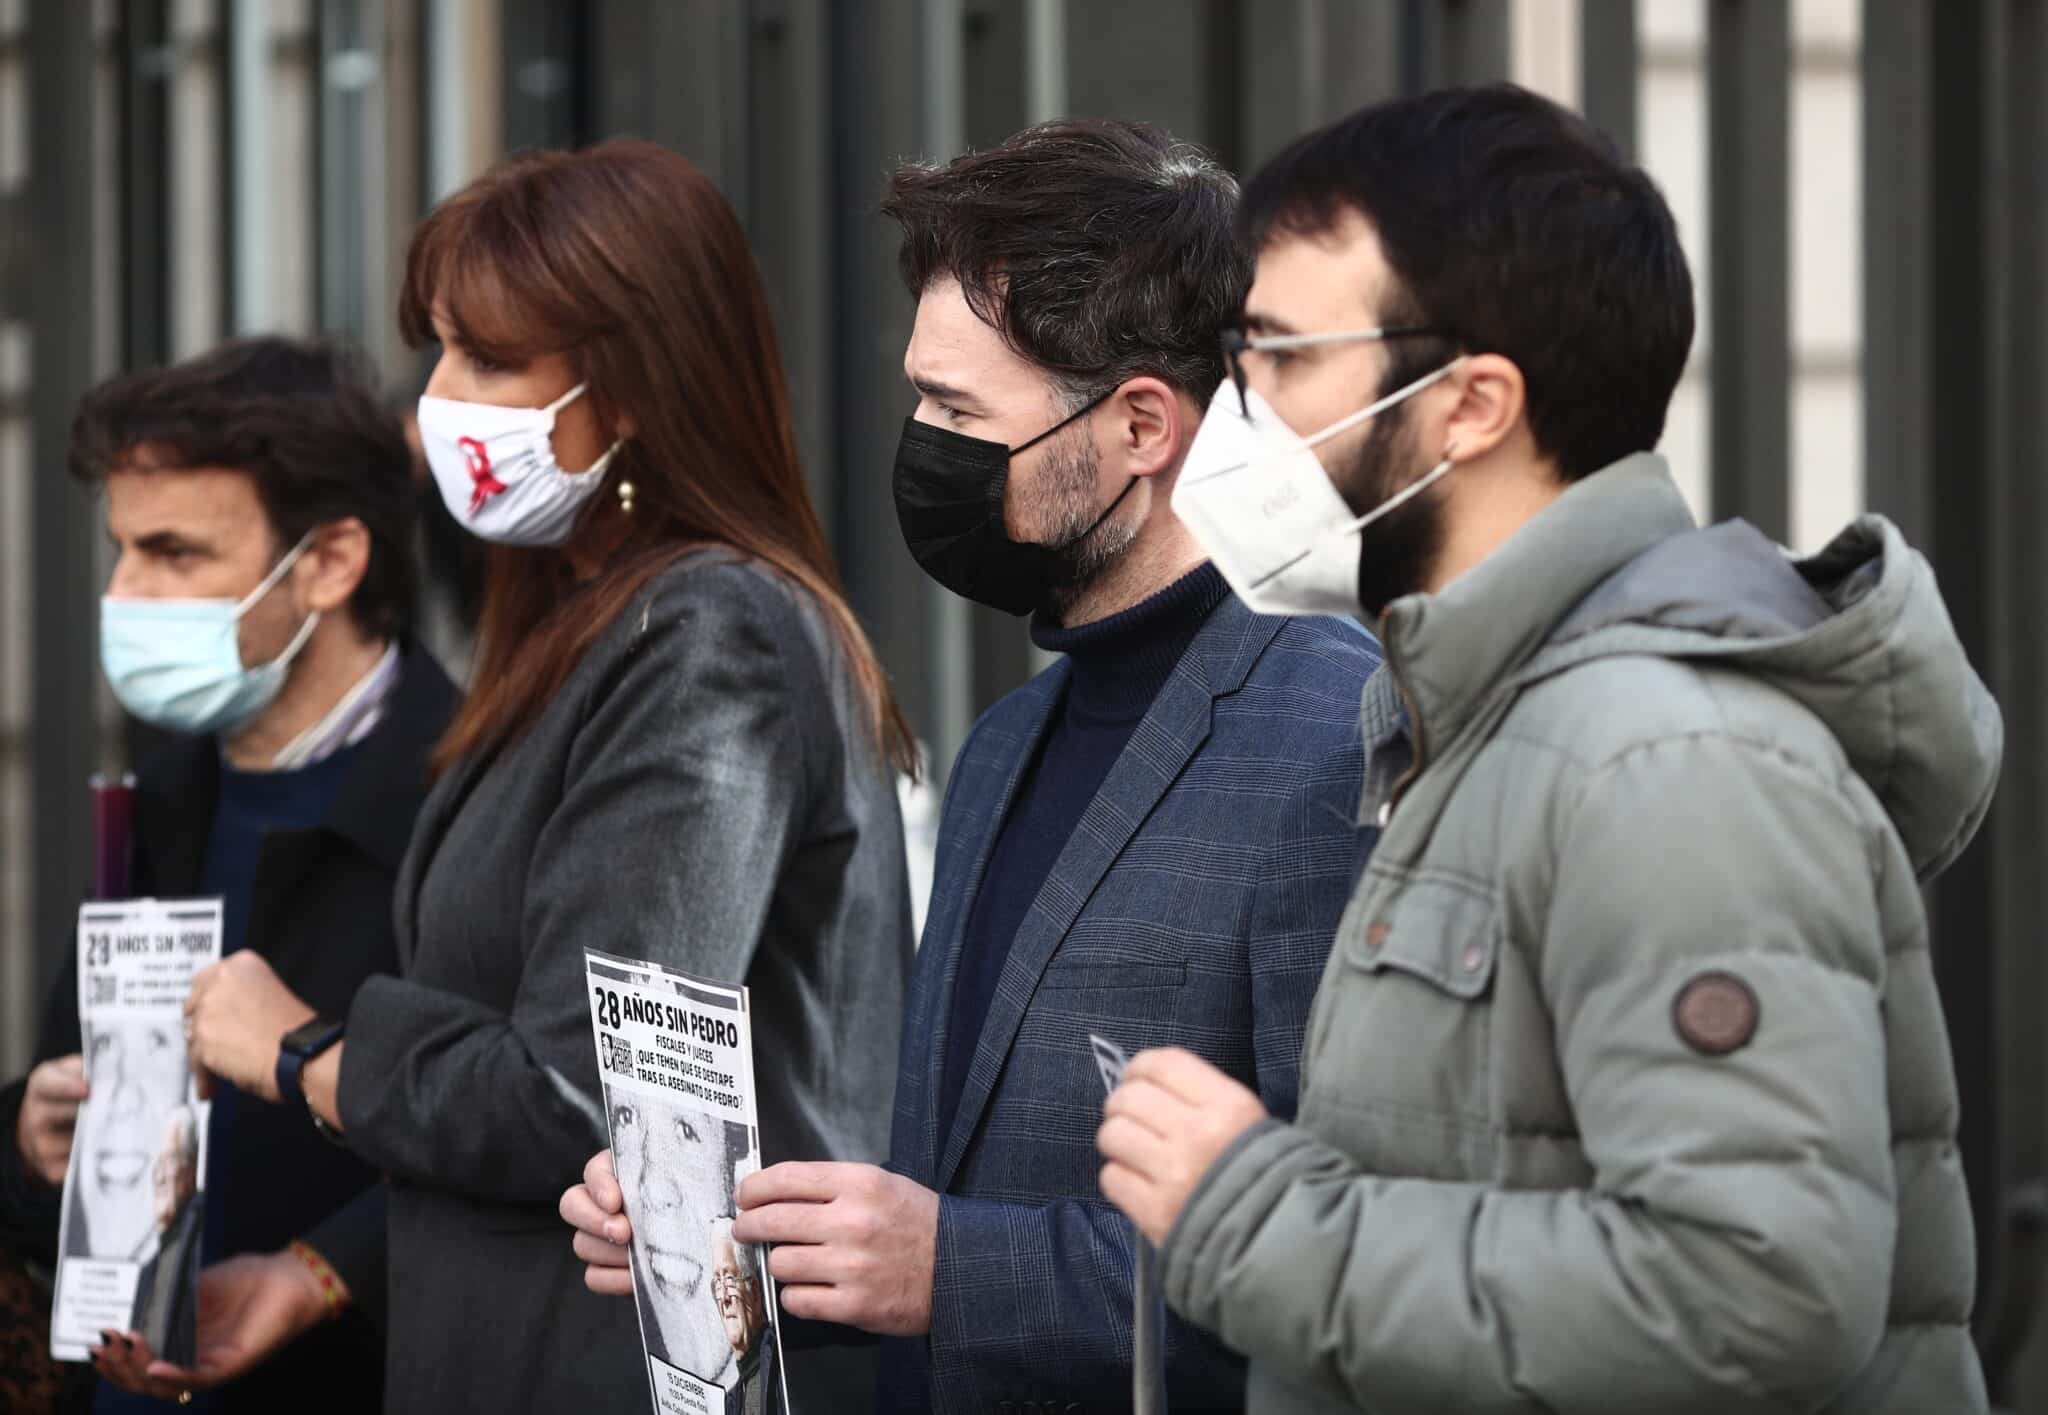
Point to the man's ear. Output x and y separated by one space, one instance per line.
1491 401
334 564
1146 427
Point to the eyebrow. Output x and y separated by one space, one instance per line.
158 542
942 392
1258 323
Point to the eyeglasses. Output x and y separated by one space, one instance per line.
1237 343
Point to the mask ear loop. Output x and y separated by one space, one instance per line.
269 583
1403 496
1353 527
566 399
1347 422
604 460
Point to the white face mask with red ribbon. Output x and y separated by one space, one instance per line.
497 472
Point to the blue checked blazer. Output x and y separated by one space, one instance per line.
1193 905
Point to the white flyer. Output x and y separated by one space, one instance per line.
676 1056
134 1195
1148 1289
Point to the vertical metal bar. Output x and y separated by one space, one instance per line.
875 115
146 63
1966 523
943 122
1749 46
63 298
1898 305
624 45
1367 53
1473 40
352 193
2018 299
1608 67
249 195
449 136
544 59
1045 60
788 128
1224 45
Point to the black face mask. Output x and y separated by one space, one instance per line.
949 501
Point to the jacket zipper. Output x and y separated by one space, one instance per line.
1407 777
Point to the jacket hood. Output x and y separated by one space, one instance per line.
1858 634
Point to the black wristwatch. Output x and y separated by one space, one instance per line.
300 1045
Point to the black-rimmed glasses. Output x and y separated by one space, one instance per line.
1238 342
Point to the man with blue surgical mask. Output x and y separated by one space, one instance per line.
260 501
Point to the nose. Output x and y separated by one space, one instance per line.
122 583
124 1098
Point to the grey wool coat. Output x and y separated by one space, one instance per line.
704 792
1626 1088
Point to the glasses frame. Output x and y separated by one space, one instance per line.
1238 342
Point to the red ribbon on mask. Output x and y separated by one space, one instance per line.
486 485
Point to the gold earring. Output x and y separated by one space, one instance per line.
626 497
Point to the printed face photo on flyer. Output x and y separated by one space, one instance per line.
137 1067
703 1307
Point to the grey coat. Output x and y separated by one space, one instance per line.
1626 1088
705 792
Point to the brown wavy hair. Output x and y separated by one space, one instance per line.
626 259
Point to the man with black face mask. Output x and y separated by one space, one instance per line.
1151 841
1627 1087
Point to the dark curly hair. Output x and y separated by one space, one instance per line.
1100 250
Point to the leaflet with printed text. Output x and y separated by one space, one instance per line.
676 1056
134 1195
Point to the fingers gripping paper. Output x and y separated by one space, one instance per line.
134 1195
676 1056
1148 1294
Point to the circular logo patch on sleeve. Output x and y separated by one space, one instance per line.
1716 1013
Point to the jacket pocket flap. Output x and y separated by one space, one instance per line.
1113 973
1441 931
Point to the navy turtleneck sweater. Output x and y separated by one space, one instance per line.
1118 666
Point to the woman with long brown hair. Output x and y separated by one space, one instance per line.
677 747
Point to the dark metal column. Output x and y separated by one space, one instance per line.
874 117
789 185
545 52
1965 524
1455 42
1898 307
1609 62
996 80
146 67
2017 299
63 299
1928 144
1748 114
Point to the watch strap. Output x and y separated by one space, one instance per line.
299 1046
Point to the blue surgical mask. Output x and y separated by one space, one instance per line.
176 663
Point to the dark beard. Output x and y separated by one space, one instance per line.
1084 543
1395 553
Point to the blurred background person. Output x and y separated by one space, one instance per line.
258 614
679 748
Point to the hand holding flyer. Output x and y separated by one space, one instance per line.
675 1053
128 1250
